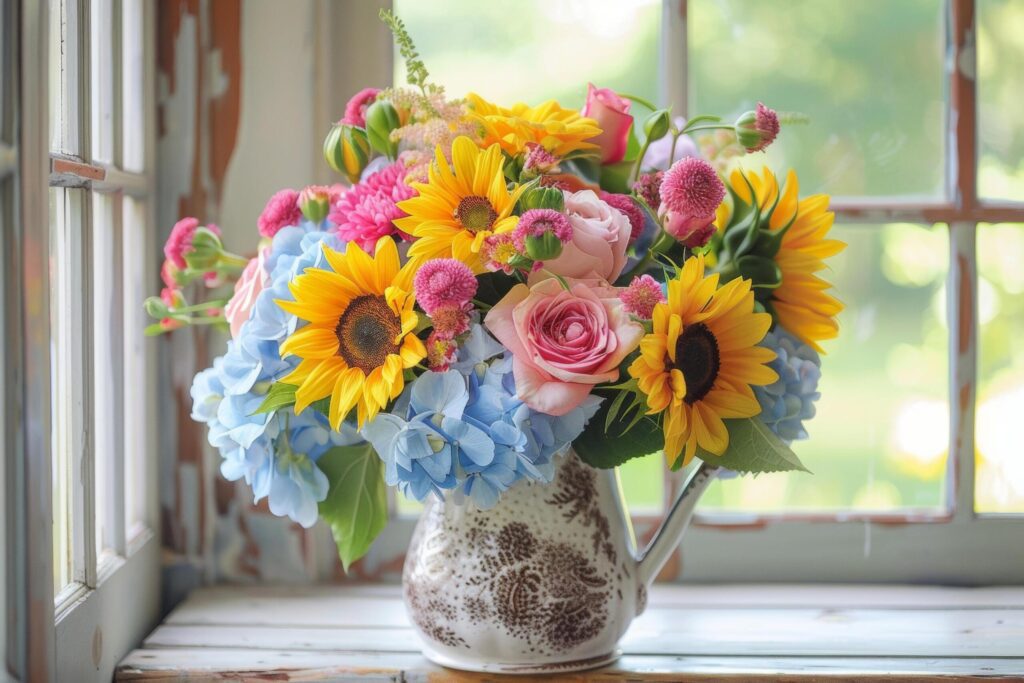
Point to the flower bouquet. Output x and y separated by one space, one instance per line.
496 291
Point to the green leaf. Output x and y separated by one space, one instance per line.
356 506
615 177
493 286
609 448
280 396
753 449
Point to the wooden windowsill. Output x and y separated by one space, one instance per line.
736 632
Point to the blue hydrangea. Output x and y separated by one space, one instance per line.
465 431
789 401
274 453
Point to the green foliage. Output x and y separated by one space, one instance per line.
281 395
416 71
356 503
620 430
754 449
493 286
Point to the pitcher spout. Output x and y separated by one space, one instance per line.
668 536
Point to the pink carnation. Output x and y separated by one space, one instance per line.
450 320
537 222
642 295
355 110
690 194
539 159
444 282
629 209
368 210
180 241
281 210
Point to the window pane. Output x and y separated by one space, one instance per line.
132 85
135 258
60 377
63 76
536 50
102 75
869 75
880 437
999 479
1000 84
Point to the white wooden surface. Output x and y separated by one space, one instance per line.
738 632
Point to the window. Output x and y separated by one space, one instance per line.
891 135
87 256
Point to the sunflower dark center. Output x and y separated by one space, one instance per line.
476 213
698 359
366 332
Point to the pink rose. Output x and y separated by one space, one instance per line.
600 237
612 115
252 281
563 342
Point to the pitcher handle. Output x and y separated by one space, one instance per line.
670 533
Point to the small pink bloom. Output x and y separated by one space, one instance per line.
179 242
440 352
444 282
539 222
355 109
451 320
642 295
499 250
690 232
563 343
611 113
760 132
600 238
367 211
629 209
315 201
282 210
539 159
169 273
648 188
690 194
252 281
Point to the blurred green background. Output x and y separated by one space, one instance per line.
869 76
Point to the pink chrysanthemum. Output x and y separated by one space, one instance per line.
499 250
368 210
355 109
179 242
629 209
539 159
766 124
641 296
537 223
648 188
692 188
450 320
281 210
440 352
444 282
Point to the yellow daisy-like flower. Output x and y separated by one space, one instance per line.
801 303
460 205
359 338
699 363
559 130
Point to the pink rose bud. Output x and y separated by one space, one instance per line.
611 113
314 202
756 129
690 194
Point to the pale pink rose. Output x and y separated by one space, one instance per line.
612 115
563 342
253 280
600 237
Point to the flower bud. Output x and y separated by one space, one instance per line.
347 150
657 124
542 198
381 119
315 202
755 130
543 247
205 251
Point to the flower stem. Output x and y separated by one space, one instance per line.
696 128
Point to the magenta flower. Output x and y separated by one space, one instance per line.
690 193
499 251
440 352
282 210
641 296
444 282
451 320
648 188
180 241
355 109
629 209
756 129
368 210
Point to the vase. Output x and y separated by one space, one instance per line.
546 581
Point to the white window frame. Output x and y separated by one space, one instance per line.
83 632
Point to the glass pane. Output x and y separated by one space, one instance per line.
107 354
56 75
879 440
60 381
869 75
535 50
1000 84
135 257
102 75
132 86
643 483
999 478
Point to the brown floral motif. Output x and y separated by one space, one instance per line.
578 494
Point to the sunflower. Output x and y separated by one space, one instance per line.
358 340
459 205
559 130
699 362
800 303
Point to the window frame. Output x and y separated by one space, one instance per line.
113 598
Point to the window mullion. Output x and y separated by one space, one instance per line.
961 304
